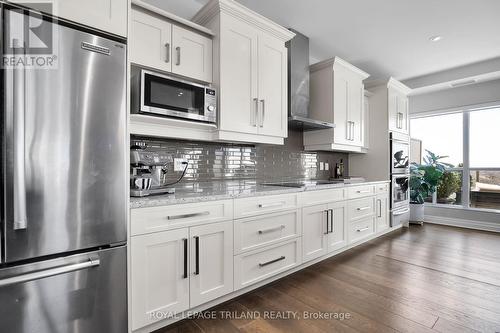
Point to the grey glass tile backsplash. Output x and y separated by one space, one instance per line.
224 161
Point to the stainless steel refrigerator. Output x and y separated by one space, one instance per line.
63 227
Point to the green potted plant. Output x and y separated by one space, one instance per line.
424 180
449 184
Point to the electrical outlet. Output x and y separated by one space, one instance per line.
327 166
178 164
321 166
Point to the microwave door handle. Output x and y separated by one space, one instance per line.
19 105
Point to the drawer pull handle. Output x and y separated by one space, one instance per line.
363 229
363 208
363 191
271 261
275 204
327 221
185 216
271 229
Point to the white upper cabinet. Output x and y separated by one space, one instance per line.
239 72
106 15
157 43
337 96
397 103
191 54
250 71
150 41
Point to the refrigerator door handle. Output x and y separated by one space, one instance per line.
19 104
37 275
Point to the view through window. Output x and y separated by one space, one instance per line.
443 135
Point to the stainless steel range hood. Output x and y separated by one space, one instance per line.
298 86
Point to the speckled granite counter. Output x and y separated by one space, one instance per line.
198 192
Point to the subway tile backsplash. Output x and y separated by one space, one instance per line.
224 161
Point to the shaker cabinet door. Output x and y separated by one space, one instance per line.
337 236
273 88
150 41
314 232
211 261
159 275
191 54
238 77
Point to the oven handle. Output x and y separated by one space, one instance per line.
401 212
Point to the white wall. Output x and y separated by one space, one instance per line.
456 98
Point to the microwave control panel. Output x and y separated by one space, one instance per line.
210 103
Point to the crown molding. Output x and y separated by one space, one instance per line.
337 61
235 9
392 82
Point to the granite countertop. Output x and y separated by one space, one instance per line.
209 191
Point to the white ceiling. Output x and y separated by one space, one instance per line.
384 37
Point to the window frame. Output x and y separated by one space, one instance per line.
466 169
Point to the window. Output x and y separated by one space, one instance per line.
476 159
443 135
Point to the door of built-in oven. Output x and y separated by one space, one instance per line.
169 96
400 155
85 293
400 192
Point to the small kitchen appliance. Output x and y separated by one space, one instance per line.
157 94
149 172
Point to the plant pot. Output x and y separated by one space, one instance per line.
416 213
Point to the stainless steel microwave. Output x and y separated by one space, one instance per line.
163 95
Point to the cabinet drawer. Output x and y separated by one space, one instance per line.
360 191
322 196
382 188
258 265
153 219
361 229
246 207
360 208
267 229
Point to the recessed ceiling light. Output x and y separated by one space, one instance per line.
435 38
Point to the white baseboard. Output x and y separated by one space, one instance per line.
461 223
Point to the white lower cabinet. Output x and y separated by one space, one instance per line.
211 261
256 232
323 229
258 265
202 251
159 276
175 270
382 212
361 229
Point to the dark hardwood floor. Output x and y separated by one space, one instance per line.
425 279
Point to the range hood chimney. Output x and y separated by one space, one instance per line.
298 86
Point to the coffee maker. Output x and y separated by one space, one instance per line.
149 170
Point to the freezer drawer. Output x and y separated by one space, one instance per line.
80 293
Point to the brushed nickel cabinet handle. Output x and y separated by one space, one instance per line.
271 261
363 191
331 221
178 49
363 208
167 48
185 216
264 231
256 112
263 112
363 229
275 204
